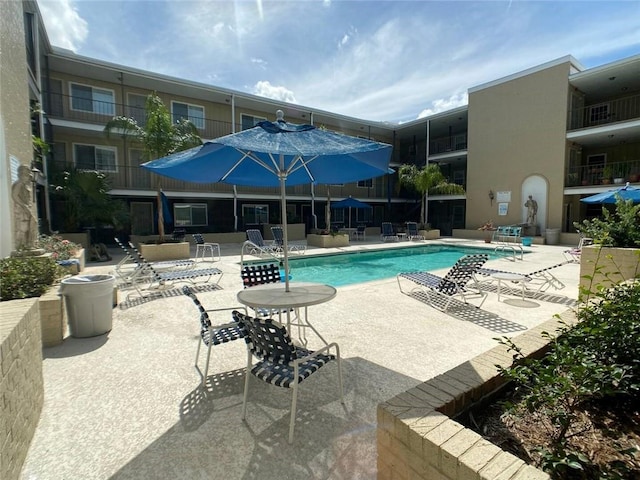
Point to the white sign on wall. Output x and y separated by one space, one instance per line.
503 208
503 197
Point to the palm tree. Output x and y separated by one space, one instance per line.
427 180
159 136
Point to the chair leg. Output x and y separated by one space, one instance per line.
294 404
206 366
340 385
246 386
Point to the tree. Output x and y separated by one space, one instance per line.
159 136
87 201
427 180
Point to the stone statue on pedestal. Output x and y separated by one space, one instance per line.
25 223
532 211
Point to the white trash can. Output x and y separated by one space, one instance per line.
553 236
89 304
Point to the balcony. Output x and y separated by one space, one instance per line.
99 113
605 113
604 174
139 179
452 143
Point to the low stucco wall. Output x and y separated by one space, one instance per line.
606 266
327 241
21 383
417 438
165 251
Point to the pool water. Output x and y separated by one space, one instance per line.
358 267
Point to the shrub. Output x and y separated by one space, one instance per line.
594 361
26 277
620 228
58 248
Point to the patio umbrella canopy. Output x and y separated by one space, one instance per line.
278 153
350 203
626 193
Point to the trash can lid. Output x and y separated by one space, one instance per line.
78 279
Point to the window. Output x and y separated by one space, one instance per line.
365 183
94 157
599 114
91 99
136 108
255 213
190 215
193 113
249 121
364 215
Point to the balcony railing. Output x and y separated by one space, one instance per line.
450 143
99 113
139 179
589 175
603 113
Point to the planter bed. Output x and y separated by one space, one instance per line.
327 241
417 438
165 251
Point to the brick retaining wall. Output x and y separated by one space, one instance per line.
21 383
417 439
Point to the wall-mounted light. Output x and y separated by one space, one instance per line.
491 196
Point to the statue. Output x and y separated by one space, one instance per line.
532 210
25 223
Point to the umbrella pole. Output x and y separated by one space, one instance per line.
285 236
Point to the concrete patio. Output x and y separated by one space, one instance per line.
129 404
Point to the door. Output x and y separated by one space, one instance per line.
141 218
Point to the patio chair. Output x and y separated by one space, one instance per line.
210 334
456 283
278 241
361 232
263 274
280 362
129 270
412 231
257 245
156 279
542 278
573 254
178 235
388 234
202 247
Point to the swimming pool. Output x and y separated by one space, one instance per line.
357 267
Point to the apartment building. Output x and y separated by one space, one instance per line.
556 131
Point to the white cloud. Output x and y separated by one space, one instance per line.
265 89
444 104
64 25
387 61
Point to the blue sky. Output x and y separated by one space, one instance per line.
378 60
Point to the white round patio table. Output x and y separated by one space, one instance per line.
515 278
273 296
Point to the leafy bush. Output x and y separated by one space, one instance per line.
26 277
596 360
58 248
620 228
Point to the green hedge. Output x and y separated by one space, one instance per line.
26 277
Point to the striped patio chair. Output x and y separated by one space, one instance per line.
280 362
210 334
458 282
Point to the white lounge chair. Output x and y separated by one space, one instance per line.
456 283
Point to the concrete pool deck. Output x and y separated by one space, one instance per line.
129 405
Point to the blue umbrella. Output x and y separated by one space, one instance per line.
626 193
350 203
278 153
